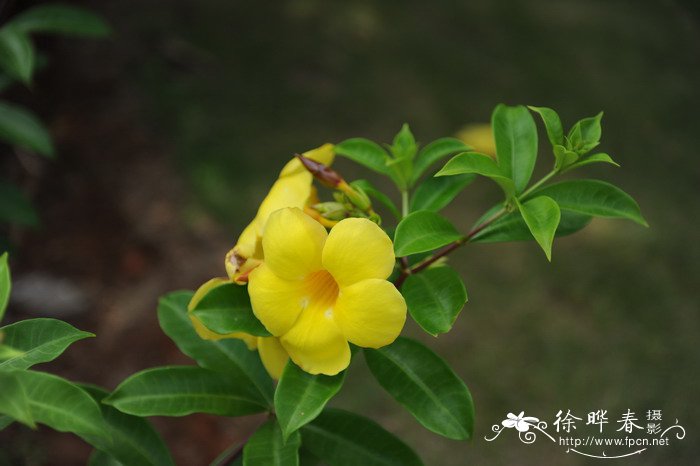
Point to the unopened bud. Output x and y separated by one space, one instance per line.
356 196
331 210
322 173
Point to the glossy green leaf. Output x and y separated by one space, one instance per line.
377 195
5 285
436 193
183 390
63 406
60 19
16 54
516 143
436 150
341 438
40 340
552 124
593 197
21 128
227 355
600 157
425 385
134 441
227 309
301 396
267 447
479 164
435 298
512 227
542 216
423 231
364 152
15 208
13 398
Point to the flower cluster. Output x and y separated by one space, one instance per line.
315 291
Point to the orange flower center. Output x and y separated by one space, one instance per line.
321 291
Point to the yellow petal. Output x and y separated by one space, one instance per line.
273 356
290 191
370 313
357 249
324 154
204 332
315 343
276 302
293 243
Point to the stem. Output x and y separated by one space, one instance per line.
405 271
404 202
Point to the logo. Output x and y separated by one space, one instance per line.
597 437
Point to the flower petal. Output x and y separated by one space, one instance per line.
509 423
316 345
273 356
276 302
357 249
290 191
292 244
522 426
370 313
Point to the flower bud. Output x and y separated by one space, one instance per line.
327 176
331 210
356 196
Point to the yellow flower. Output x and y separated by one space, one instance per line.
480 137
317 291
293 188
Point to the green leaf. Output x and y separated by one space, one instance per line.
15 208
227 355
552 124
364 152
479 164
134 441
226 309
423 231
435 298
593 197
600 157
13 399
425 385
63 406
564 157
8 352
341 438
21 128
183 390
436 193
585 134
267 447
300 396
376 194
5 285
436 150
516 143
512 227
60 19
404 145
542 216
16 54
40 340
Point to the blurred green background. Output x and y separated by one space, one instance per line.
170 133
